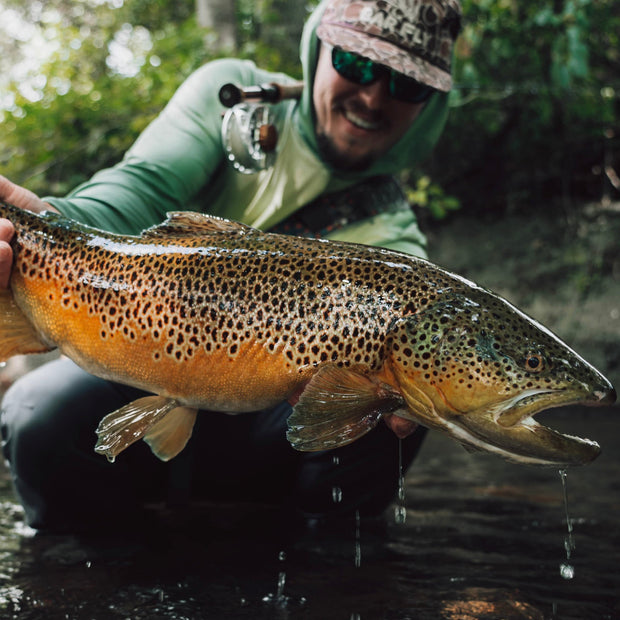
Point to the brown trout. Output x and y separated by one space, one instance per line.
211 314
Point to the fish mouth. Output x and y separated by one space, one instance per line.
509 429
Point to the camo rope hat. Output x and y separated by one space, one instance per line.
413 37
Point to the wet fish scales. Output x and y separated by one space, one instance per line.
207 313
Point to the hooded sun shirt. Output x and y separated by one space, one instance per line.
179 162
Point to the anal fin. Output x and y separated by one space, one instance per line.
337 407
170 435
142 417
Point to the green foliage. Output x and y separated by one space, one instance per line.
422 192
534 111
89 108
270 32
537 91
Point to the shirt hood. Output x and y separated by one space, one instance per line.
413 147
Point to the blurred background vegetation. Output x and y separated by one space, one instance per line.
534 115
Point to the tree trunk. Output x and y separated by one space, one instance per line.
219 17
282 25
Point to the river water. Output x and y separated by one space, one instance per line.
481 539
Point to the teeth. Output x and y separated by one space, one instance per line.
361 122
514 411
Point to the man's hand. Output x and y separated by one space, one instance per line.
25 199
400 427
21 197
6 253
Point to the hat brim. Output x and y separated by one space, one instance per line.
385 53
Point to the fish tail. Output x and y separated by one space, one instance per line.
17 334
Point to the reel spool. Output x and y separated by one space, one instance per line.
249 134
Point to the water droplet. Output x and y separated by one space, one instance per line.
89 564
400 514
569 542
281 584
278 598
336 460
355 616
336 495
567 571
358 554
358 545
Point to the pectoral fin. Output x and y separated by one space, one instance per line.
337 407
142 417
17 335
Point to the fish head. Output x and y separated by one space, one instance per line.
477 368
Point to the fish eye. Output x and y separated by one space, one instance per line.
534 362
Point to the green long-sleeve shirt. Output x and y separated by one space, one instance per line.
179 163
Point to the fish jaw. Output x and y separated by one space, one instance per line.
508 428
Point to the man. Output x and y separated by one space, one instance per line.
376 77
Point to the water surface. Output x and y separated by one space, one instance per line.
481 539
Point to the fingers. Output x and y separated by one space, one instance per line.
24 199
21 197
9 192
6 230
6 188
402 428
6 252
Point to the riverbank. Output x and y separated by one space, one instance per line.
563 271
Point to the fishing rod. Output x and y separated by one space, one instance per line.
249 133
231 94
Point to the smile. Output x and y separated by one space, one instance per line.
362 122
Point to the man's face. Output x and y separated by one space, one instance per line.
355 125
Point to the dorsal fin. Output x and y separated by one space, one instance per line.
190 223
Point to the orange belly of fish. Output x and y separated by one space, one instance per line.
238 376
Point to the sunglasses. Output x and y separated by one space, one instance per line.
364 71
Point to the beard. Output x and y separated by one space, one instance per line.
338 159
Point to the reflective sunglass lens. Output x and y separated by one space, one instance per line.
410 90
364 71
353 66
